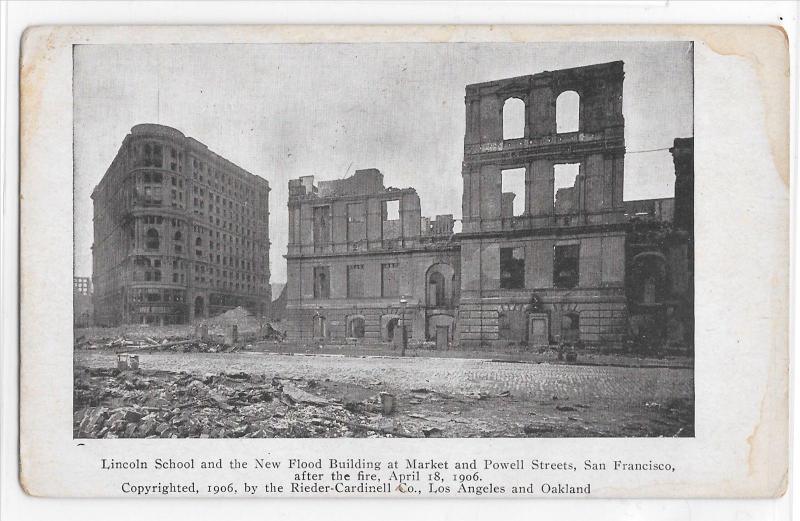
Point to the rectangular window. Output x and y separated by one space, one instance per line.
322 225
322 282
389 283
356 226
512 268
390 227
355 281
566 265
565 188
512 195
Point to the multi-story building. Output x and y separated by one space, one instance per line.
545 261
362 260
179 232
549 250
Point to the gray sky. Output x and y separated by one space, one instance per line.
282 111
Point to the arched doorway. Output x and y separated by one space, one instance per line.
355 327
199 307
648 278
320 327
570 327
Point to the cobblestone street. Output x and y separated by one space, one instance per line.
489 397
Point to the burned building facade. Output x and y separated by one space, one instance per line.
549 251
362 262
179 232
660 260
553 267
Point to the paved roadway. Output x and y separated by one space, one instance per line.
618 385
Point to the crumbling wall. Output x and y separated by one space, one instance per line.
373 258
589 215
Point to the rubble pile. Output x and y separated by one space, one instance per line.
109 403
151 345
239 317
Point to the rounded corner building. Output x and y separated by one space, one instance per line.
179 233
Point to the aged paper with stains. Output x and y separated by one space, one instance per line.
724 431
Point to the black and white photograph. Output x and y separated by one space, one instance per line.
402 261
384 240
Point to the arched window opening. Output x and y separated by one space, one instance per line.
513 118
152 241
566 198
436 290
568 106
178 236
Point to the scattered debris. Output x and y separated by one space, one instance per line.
387 403
432 432
565 408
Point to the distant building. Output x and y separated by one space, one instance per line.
179 233
82 308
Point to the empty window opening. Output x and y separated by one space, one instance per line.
513 192
512 268
565 265
565 188
513 118
391 219
392 211
322 282
355 281
568 112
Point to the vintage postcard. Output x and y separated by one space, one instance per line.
405 261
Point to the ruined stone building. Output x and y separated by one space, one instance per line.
356 248
660 260
552 267
179 232
549 250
